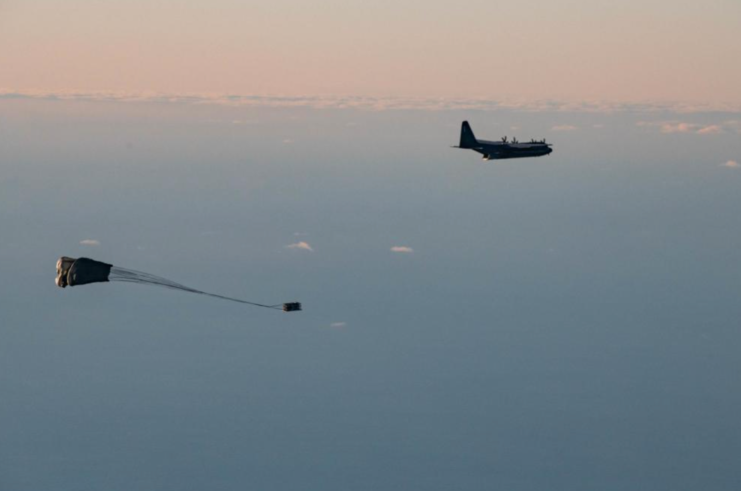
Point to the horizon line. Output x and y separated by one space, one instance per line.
372 103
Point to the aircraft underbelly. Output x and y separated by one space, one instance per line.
512 154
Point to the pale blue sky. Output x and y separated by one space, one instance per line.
568 323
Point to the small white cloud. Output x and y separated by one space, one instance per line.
731 164
402 249
287 141
563 127
338 325
90 242
300 245
670 128
713 129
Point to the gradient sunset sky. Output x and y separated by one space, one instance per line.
566 323
633 50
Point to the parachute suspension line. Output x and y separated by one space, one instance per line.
132 276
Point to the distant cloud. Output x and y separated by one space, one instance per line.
368 103
563 127
287 141
338 325
677 128
90 242
731 164
300 245
402 249
710 130
672 127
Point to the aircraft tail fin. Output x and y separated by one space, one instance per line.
467 138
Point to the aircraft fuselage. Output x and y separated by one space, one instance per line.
496 150
500 150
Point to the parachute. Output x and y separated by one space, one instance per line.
84 271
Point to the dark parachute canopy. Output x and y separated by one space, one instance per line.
83 271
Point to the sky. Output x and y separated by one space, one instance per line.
630 51
569 322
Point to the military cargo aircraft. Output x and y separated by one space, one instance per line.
502 149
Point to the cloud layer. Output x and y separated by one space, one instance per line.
368 103
564 127
671 127
90 242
